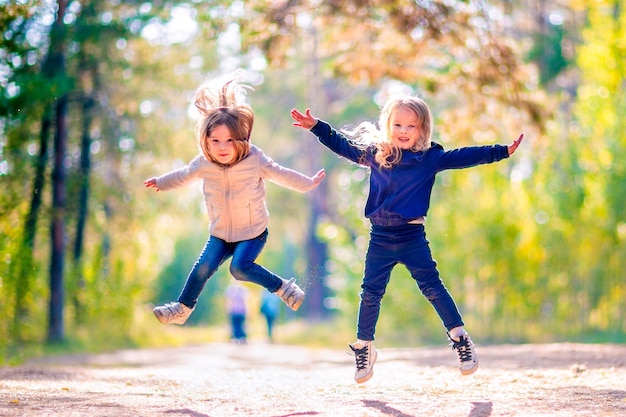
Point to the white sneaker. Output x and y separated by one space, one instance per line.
174 313
365 356
291 294
466 354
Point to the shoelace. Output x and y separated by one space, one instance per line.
463 349
290 294
361 356
174 310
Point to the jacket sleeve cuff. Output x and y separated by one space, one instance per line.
319 127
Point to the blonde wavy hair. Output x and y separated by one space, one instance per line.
387 154
223 106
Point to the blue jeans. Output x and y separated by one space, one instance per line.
242 266
407 245
238 326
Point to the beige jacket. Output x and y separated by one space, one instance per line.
235 195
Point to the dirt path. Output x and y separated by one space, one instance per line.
220 380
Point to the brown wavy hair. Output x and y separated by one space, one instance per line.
224 106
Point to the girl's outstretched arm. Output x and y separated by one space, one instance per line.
515 144
305 121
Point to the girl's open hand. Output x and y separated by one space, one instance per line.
515 144
151 183
319 177
305 121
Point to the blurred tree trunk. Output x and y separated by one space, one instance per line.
88 73
317 256
316 249
83 203
30 225
57 226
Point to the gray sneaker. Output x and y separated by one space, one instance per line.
291 294
174 313
466 354
365 357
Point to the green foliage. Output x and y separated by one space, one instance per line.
532 248
547 52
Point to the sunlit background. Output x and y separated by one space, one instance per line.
96 97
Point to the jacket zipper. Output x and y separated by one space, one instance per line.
227 212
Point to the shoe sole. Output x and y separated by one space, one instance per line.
160 318
470 371
164 320
297 304
365 378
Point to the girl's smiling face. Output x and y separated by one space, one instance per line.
221 145
404 127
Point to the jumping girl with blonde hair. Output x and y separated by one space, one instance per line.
403 163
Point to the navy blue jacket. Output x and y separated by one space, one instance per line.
402 193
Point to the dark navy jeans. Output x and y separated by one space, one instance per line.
406 245
242 266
